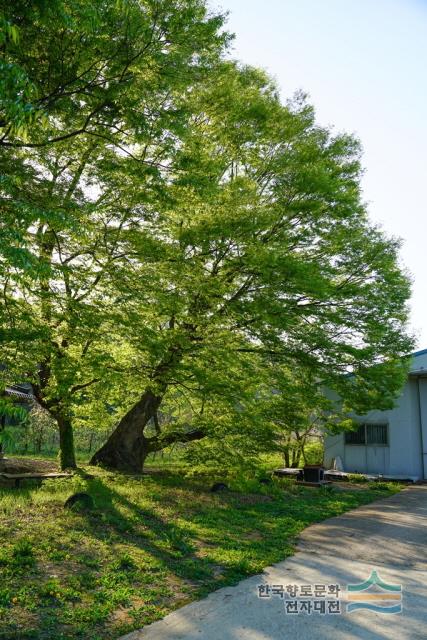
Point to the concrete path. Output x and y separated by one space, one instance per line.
389 536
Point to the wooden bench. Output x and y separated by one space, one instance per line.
17 477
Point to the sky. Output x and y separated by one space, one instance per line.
364 65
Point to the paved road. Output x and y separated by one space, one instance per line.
389 536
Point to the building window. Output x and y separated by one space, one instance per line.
376 434
356 437
373 434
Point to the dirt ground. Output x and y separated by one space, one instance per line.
27 465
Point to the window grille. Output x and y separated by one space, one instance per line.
373 434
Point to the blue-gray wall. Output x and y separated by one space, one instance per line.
403 455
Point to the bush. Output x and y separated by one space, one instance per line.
357 478
380 486
314 452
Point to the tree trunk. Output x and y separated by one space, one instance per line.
66 442
2 426
127 447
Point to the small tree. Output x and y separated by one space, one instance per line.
40 427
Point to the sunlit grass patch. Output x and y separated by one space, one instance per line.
150 544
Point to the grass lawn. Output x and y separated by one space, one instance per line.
150 545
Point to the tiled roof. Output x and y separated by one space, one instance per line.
11 391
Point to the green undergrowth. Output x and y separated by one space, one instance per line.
149 545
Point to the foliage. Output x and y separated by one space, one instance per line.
86 82
37 433
179 243
314 452
381 486
91 98
9 410
40 424
357 478
266 266
152 544
6 439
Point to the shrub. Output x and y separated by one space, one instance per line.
380 486
357 478
314 452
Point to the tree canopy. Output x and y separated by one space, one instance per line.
179 249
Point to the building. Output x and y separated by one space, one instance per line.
391 443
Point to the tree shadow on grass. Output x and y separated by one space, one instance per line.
169 543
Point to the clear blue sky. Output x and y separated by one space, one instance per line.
364 65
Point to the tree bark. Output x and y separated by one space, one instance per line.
127 448
66 441
2 426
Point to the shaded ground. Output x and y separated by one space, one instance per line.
388 536
152 544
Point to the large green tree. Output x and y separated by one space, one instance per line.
171 232
262 249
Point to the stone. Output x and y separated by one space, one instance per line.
79 501
218 486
